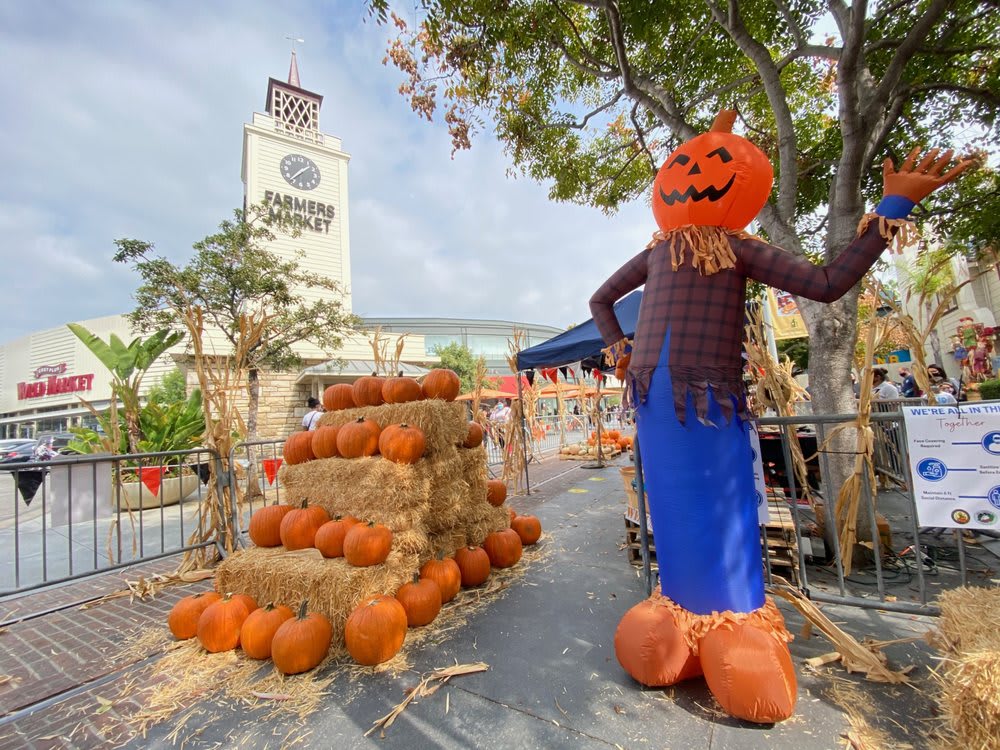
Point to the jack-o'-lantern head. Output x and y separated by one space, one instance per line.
716 179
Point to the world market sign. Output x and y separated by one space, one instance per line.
55 383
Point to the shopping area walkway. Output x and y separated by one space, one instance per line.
69 678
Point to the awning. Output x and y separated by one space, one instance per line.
351 369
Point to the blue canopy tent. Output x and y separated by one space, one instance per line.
582 342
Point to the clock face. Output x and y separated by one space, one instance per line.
300 171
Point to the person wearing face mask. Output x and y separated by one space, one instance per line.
937 375
883 388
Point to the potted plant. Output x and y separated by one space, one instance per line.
153 482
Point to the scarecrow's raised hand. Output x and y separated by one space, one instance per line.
916 180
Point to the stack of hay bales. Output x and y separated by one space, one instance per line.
432 507
969 637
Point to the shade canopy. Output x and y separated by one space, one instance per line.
581 342
486 393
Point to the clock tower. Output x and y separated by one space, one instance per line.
289 163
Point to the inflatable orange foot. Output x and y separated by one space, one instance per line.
749 669
652 646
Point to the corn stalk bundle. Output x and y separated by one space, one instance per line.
515 459
386 362
776 389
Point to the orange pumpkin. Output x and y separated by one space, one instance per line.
421 598
301 642
358 438
259 628
715 179
299 526
375 630
441 383
183 617
496 492
512 513
367 390
402 443
474 564
220 623
248 601
528 528
339 396
474 437
445 573
503 548
330 536
298 448
265 525
324 441
367 544
401 389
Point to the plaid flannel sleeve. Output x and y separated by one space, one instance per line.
782 270
630 276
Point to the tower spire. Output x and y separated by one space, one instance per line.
293 72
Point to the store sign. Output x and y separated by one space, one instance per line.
55 383
955 463
306 214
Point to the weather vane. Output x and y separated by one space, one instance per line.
293 40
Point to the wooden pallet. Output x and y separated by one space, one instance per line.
782 546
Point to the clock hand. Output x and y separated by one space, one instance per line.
304 169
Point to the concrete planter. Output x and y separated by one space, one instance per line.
80 490
136 496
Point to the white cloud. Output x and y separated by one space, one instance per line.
124 120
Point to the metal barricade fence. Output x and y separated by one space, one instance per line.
71 517
903 557
254 481
889 451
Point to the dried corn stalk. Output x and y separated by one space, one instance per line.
515 459
778 390
386 363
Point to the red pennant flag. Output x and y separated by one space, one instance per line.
271 466
152 476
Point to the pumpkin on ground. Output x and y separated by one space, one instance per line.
298 448
367 544
324 442
503 548
301 642
441 383
339 396
330 536
421 598
299 526
474 437
248 601
367 390
528 528
402 443
183 617
496 492
375 630
400 390
445 573
358 438
474 564
219 625
259 628
265 525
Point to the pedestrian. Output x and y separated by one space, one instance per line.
311 420
944 394
882 387
909 388
937 376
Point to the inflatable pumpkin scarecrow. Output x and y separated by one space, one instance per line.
710 617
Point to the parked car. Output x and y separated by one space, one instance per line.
16 450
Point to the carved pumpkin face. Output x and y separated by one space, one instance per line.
715 179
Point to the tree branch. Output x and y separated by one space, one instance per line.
797 33
633 115
771 80
894 72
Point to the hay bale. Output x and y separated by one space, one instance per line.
445 423
969 678
333 587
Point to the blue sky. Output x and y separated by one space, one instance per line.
123 119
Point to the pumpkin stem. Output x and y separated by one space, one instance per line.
371 524
228 596
400 373
724 121
416 577
269 606
302 609
305 503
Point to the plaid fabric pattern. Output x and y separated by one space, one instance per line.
705 314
